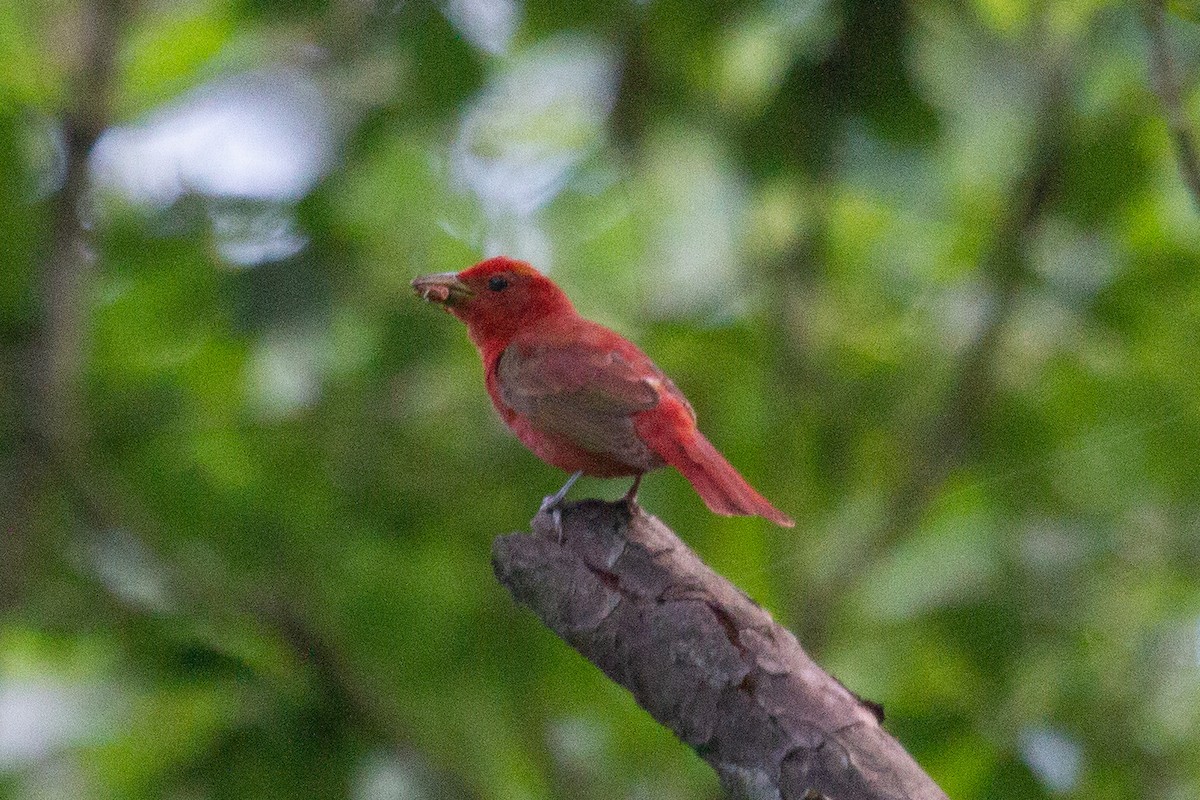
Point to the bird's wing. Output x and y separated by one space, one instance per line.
585 393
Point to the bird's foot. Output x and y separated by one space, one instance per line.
557 515
631 496
552 504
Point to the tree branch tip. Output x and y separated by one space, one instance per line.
702 658
583 515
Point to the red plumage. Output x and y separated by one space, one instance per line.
580 396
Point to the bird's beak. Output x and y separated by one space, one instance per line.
443 287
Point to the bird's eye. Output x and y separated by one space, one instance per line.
497 283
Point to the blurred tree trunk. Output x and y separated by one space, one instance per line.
50 426
1165 79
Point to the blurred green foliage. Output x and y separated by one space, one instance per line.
926 270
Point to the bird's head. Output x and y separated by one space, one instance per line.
495 298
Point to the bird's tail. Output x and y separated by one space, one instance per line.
721 487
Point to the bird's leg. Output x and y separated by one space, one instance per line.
553 502
631 495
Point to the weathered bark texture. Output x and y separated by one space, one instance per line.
703 658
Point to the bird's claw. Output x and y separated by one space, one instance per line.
552 504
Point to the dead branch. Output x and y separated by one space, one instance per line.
703 658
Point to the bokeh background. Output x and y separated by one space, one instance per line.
929 272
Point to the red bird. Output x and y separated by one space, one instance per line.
581 397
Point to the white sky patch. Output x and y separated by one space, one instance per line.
129 570
1055 758
520 139
253 145
487 24
246 237
284 372
578 742
265 136
701 205
383 776
37 717
1077 263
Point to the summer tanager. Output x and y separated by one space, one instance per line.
581 397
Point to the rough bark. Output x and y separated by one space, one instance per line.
703 658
